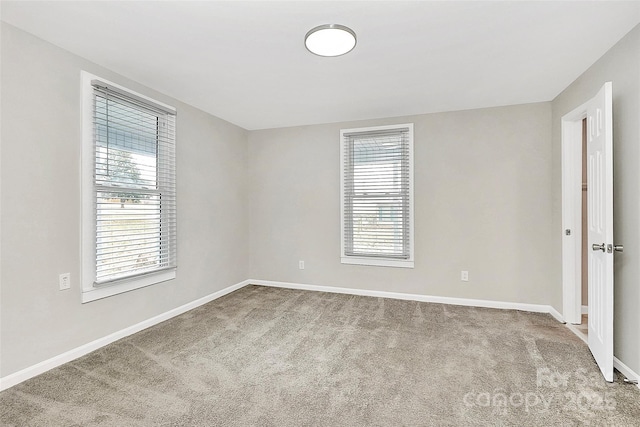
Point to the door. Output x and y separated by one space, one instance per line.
600 228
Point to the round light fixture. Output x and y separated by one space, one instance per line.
330 40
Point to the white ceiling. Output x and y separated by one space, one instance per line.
246 62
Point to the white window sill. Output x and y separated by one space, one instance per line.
96 293
378 262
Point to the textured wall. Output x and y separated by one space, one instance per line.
482 203
41 209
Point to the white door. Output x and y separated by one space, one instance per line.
600 228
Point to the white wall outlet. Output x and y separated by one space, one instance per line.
301 265
464 275
64 281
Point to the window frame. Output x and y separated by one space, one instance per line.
370 260
90 292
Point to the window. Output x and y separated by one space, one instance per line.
377 195
129 190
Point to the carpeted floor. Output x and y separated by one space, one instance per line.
276 357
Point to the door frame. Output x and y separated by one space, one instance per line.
572 214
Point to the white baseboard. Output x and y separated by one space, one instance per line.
536 308
556 314
626 371
39 368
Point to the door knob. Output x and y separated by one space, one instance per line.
618 248
596 247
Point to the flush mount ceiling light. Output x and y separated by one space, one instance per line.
330 40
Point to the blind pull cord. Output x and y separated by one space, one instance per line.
107 113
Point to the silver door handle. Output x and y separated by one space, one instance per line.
618 248
596 247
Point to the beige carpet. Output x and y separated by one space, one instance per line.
274 357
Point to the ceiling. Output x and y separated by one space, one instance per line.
245 62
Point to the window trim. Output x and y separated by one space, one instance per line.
377 261
88 243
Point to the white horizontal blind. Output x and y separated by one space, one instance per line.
135 187
377 194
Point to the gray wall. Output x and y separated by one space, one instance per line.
40 197
620 65
482 203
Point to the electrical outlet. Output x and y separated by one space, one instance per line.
64 281
464 275
301 265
